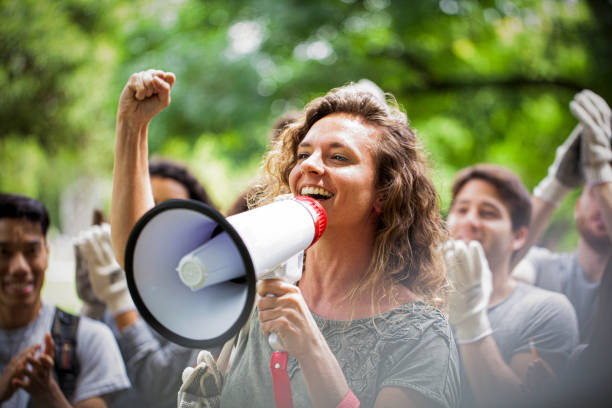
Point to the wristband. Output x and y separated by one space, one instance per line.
349 401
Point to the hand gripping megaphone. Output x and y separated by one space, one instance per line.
191 272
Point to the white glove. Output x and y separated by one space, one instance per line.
594 115
469 273
202 385
106 276
525 272
565 173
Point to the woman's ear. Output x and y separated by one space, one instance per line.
378 202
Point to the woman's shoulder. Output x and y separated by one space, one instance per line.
415 320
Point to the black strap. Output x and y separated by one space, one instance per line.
64 331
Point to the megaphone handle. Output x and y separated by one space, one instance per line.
273 340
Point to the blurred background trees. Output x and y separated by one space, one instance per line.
481 80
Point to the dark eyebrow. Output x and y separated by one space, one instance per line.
483 204
29 243
333 145
491 206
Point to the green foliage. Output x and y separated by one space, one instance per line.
480 80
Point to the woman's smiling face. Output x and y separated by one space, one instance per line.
335 165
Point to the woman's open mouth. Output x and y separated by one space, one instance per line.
317 193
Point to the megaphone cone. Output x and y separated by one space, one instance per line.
191 272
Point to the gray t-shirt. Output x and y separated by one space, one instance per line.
410 347
561 272
102 372
529 312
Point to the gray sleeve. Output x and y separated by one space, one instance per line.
102 372
154 368
430 366
553 327
549 274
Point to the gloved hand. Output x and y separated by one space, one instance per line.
525 272
106 276
594 114
202 385
469 273
565 173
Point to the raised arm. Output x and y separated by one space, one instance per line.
596 117
564 174
145 95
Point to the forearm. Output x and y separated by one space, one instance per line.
51 397
603 196
153 368
324 378
541 214
491 379
132 195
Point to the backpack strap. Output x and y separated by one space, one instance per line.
64 331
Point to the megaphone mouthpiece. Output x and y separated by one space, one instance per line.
318 215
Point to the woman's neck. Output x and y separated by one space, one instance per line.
335 267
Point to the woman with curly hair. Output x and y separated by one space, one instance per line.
364 323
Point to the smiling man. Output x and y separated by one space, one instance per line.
30 374
496 318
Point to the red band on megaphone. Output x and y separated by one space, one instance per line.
318 215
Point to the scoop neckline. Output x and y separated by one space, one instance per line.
410 306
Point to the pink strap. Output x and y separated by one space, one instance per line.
280 379
349 401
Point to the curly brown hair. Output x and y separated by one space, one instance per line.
410 228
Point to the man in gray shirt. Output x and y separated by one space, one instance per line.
584 157
497 320
27 365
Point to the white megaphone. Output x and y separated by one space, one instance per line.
191 272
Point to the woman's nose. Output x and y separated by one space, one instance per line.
313 164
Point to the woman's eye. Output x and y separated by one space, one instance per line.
302 156
339 157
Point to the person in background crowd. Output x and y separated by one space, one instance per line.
154 364
584 158
500 324
30 373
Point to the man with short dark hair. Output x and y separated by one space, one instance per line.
26 346
497 320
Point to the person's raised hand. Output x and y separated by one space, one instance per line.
286 314
565 173
469 273
145 94
7 385
595 116
106 276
